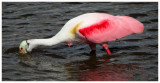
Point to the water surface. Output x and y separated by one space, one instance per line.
134 57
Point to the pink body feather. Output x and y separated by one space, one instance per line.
110 28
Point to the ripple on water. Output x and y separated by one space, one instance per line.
134 57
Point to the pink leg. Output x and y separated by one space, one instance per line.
106 47
92 46
69 44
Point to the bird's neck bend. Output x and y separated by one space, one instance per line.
44 42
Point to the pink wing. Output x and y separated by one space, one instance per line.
111 29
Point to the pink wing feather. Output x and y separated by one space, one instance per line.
111 28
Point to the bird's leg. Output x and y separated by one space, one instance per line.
92 46
106 47
69 44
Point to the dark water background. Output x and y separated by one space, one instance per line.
134 57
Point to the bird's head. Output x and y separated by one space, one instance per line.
23 47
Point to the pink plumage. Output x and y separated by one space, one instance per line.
100 28
111 28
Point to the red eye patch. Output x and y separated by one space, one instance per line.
21 48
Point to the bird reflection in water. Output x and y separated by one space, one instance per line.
95 68
108 71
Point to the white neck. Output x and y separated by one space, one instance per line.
45 42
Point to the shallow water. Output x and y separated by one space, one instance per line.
134 57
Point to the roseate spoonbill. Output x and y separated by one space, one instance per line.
91 29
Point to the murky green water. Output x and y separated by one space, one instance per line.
134 57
